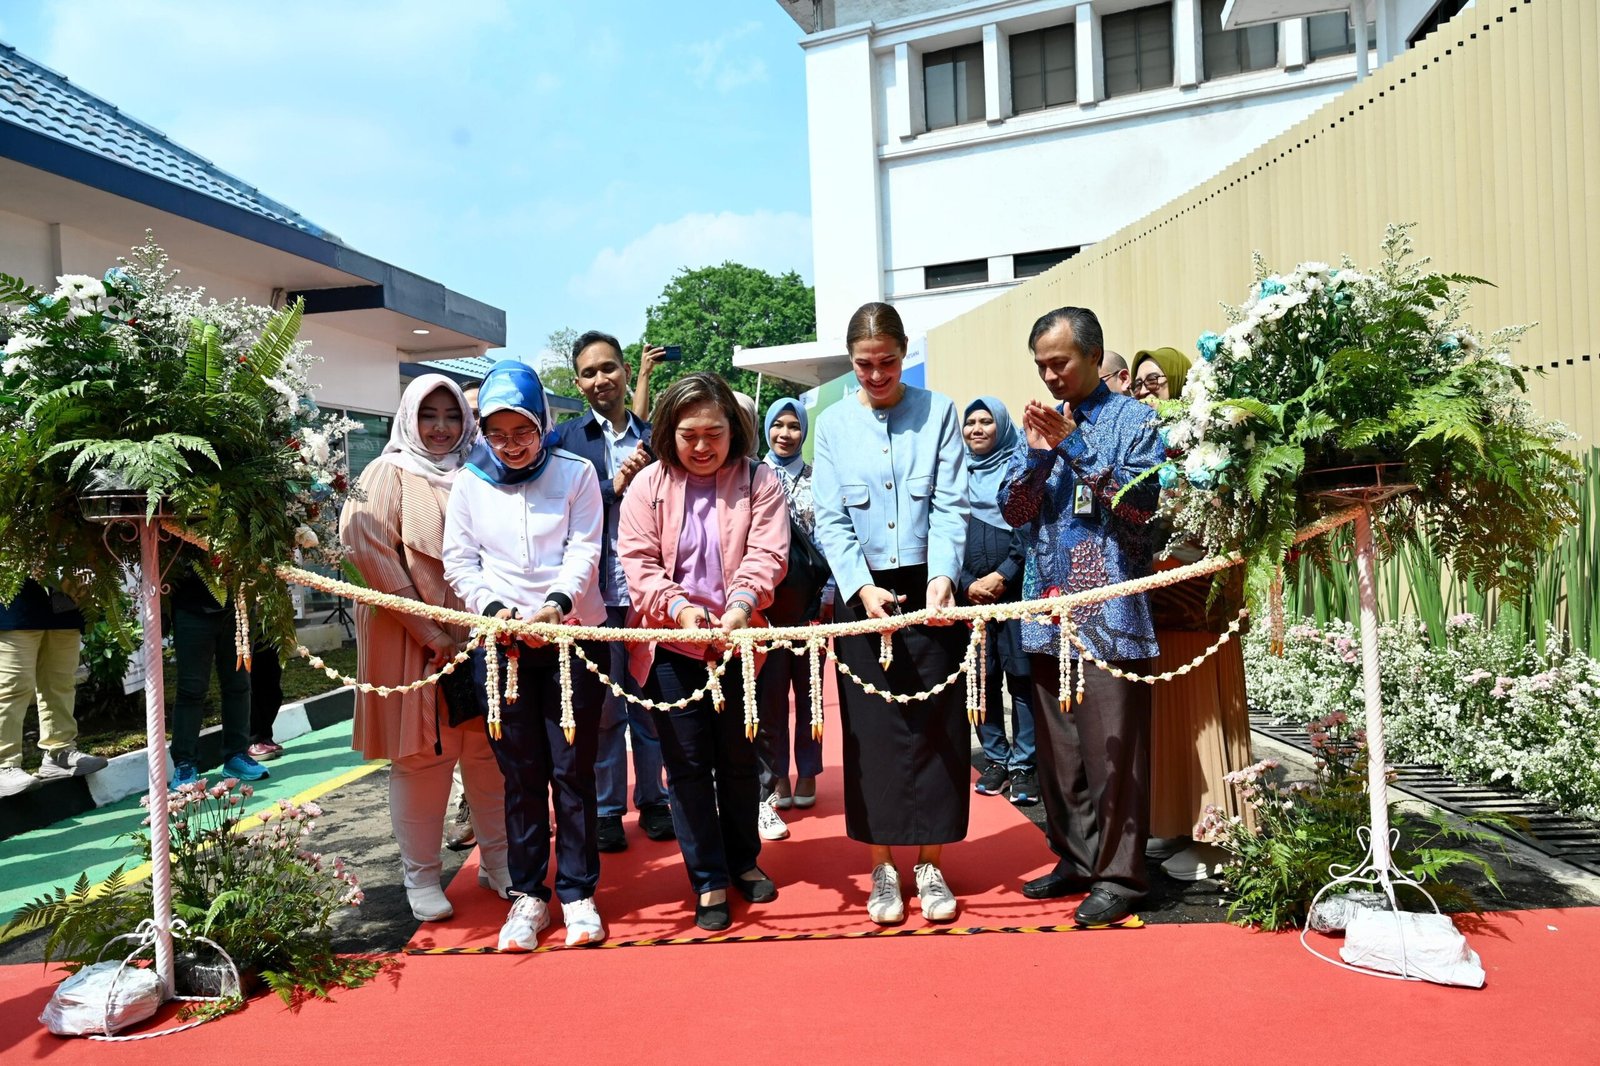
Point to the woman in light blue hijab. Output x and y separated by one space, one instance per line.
991 572
522 541
785 430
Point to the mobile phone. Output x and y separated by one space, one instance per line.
673 353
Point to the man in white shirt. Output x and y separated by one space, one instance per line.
617 443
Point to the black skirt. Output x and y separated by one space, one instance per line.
907 768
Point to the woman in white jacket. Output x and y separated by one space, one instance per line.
522 540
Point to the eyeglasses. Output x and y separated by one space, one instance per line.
1111 374
1149 383
521 438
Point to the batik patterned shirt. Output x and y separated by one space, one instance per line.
1082 539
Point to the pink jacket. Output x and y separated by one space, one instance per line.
754 527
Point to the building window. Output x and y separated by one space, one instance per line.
952 82
1332 35
1138 49
966 272
1226 52
1044 70
1031 264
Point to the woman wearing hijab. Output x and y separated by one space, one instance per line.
785 429
522 541
1199 721
992 573
394 530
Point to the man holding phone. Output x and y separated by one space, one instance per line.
617 443
649 356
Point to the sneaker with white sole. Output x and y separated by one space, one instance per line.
498 883
768 823
528 918
14 781
934 897
583 923
428 904
886 905
69 762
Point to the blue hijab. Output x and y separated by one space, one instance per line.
985 472
512 386
795 465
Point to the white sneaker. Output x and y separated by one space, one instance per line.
768 822
583 923
499 884
886 906
428 904
69 762
937 902
527 920
14 781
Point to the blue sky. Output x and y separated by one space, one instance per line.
559 160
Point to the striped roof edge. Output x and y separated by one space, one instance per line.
36 98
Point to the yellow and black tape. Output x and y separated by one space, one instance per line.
1132 922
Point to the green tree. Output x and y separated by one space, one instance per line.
710 310
555 371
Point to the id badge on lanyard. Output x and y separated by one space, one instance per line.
1082 499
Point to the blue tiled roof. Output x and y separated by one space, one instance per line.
38 99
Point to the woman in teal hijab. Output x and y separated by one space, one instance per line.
992 573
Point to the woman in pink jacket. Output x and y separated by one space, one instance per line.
704 539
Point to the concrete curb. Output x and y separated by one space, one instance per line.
128 774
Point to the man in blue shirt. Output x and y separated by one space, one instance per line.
1094 757
617 444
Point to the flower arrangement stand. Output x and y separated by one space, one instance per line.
1376 869
141 523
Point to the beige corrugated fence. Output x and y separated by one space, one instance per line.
1486 135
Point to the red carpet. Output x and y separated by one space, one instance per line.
823 880
1168 993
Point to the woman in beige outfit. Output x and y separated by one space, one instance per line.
395 534
1199 721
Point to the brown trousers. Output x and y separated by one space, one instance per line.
1094 774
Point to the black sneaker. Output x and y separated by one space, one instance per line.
656 821
992 781
1024 788
608 835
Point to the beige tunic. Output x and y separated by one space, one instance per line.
396 537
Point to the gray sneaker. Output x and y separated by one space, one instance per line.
14 781
886 906
938 903
69 762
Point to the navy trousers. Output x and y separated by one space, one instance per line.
712 771
540 767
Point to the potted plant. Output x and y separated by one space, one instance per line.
263 896
1329 377
130 392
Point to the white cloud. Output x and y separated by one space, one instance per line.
722 63
624 281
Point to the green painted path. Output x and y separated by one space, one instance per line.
95 843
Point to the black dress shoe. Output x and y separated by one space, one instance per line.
1053 886
608 835
712 917
656 821
1103 907
760 890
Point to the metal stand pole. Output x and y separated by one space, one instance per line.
156 750
1377 779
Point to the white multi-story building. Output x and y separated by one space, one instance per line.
957 149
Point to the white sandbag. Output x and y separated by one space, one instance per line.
79 1005
1416 945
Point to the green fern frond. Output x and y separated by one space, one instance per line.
1281 461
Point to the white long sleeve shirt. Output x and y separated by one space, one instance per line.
519 543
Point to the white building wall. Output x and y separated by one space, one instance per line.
890 198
